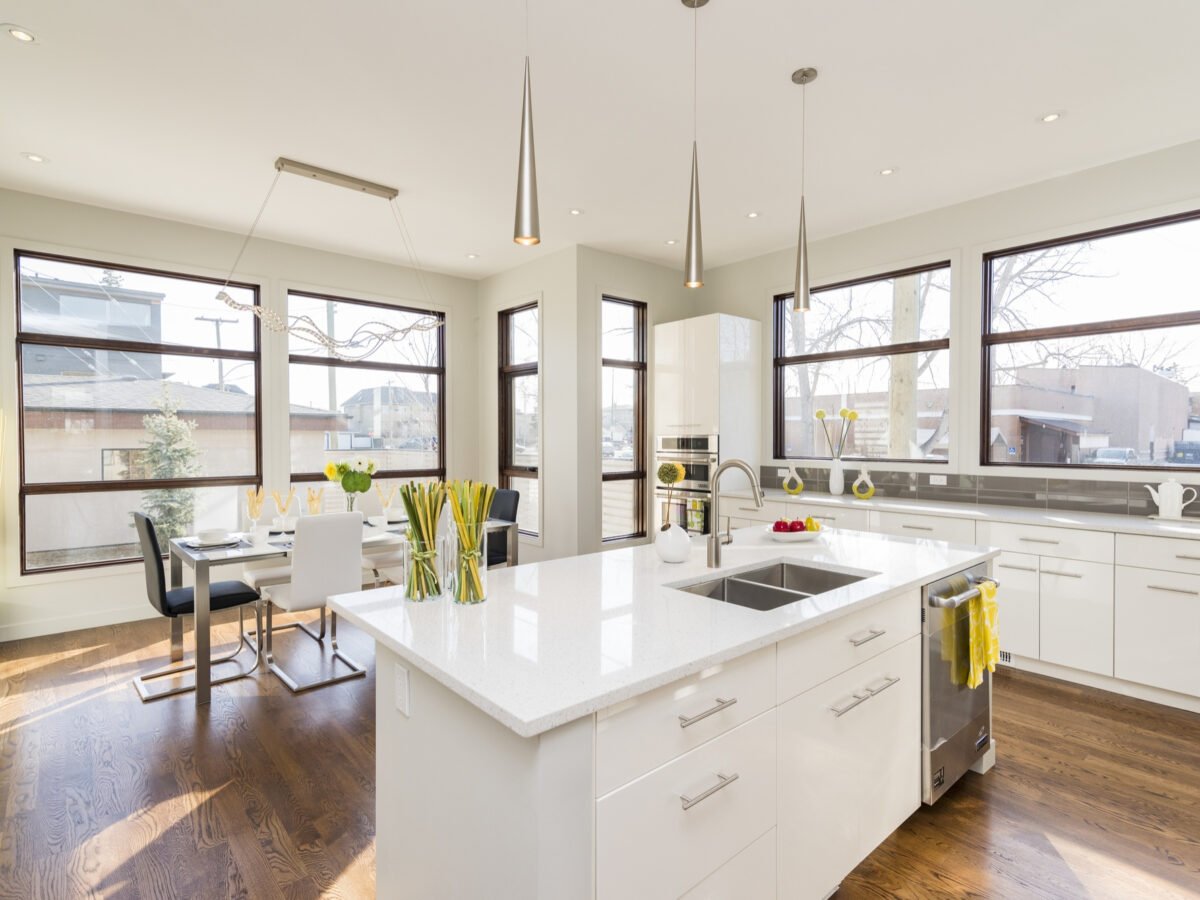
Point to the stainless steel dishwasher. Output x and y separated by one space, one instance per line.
956 720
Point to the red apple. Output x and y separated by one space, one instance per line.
780 526
797 525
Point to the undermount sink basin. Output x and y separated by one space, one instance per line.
771 586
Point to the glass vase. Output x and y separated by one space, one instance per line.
422 570
350 498
468 544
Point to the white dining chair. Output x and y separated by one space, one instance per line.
325 562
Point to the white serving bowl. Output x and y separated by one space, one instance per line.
794 537
213 535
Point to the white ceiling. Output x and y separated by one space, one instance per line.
178 109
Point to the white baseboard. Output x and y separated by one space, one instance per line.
76 621
1106 683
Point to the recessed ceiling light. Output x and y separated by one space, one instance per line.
671 243
472 256
34 157
1050 117
25 37
577 212
887 172
751 215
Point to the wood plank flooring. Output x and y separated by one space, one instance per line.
266 794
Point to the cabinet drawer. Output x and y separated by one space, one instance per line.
648 845
744 508
643 733
748 876
938 528
834 517
1158 629
1076 613
1019 622
815 656
1168 554
1043 540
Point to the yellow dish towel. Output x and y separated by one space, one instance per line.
985 638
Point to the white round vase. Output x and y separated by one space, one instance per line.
673 545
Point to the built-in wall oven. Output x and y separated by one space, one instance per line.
691 499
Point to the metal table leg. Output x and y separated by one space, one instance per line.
513 537
203 662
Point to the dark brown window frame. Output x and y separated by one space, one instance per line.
440 371
35 338
510 371
780 311
990 339
638 365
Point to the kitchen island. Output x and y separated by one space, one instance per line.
594 730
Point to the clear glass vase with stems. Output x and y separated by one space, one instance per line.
467 545
423 569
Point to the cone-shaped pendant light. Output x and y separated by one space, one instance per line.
693 254
526 227
800 298
693 258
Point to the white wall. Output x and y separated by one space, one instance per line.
1143 187
64 601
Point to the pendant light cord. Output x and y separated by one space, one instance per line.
803 133
253 226
695 55
526 29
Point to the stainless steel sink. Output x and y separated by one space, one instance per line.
771 586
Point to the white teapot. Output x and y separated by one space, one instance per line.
1170 498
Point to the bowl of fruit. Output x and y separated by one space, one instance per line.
794 531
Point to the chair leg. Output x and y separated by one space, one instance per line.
140 681
177 639
316 636
357 671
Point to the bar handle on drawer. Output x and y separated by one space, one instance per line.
1015 568
859 639
1030 540
1061 574
839 711
685 721
1173 590
918 527
887 683
723 781
1187 556
749 509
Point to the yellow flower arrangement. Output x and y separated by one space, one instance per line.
848 417
331 472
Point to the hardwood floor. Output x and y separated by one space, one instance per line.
267 795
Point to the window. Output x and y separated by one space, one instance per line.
139 391
878 345
389 406
520 411
1089 350
623 418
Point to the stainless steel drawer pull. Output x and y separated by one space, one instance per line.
1061 574
918 527
723 781
1159 587
887 683
752 509
684 721
1037 540
871 634
839 711
825 518
1015 568
1187 556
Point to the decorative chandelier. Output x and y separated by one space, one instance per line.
367 337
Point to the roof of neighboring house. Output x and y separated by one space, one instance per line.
100 290
389 393
91 392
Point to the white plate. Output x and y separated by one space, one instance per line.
230 540
794 537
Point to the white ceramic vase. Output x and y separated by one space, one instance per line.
673 545
837 477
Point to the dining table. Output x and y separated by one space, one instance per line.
278 545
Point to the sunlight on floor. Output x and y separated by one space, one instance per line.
1106 876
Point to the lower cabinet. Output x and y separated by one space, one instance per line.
1158 629
1020 624
748 876
849 768
1076 614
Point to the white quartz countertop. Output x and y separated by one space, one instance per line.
1179 528
561 639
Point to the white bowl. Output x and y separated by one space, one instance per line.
794 537
213 536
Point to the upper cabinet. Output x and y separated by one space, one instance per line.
708 379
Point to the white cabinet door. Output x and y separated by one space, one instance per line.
849 768
670 378
1158 629
748 876
1076 612
1020 624
938 528
703 375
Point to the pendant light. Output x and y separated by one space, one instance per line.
526 227
693 256
800 298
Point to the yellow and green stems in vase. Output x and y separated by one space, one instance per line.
423 503
470 504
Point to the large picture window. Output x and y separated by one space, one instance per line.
139 391
1089 350
878 345
389 407
520 411
623 419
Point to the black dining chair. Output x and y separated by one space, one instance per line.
504 506
180 602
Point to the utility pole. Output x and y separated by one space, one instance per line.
217 323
